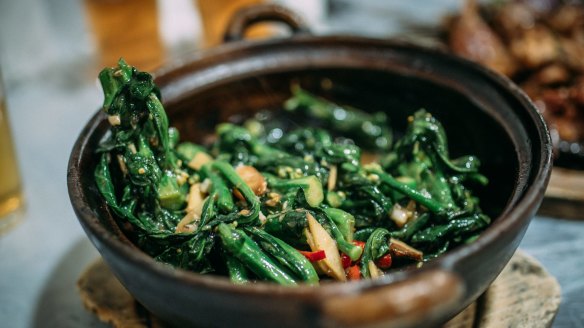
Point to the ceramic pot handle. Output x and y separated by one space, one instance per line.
399 304
247 16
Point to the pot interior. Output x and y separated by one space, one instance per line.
470 127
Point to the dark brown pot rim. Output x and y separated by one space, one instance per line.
523 208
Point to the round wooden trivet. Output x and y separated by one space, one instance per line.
524 295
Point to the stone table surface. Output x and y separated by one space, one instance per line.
49 64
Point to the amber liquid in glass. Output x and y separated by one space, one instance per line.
10 185
126 29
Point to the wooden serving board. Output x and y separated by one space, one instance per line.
524 295
564 197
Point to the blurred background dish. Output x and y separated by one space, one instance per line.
539 44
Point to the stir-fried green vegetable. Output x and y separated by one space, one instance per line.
288 205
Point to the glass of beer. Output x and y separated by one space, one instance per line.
128 29
11 198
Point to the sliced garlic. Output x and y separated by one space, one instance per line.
200 159
114 120
321 240
195 199
253 179
374 270
399 215
122 164
332 179
189 223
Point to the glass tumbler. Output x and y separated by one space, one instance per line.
11 197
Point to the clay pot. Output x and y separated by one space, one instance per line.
483 113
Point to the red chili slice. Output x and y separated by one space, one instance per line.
384 262
360 244
345 260
314 256
354 273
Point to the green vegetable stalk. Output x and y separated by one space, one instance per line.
288 256
238 244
